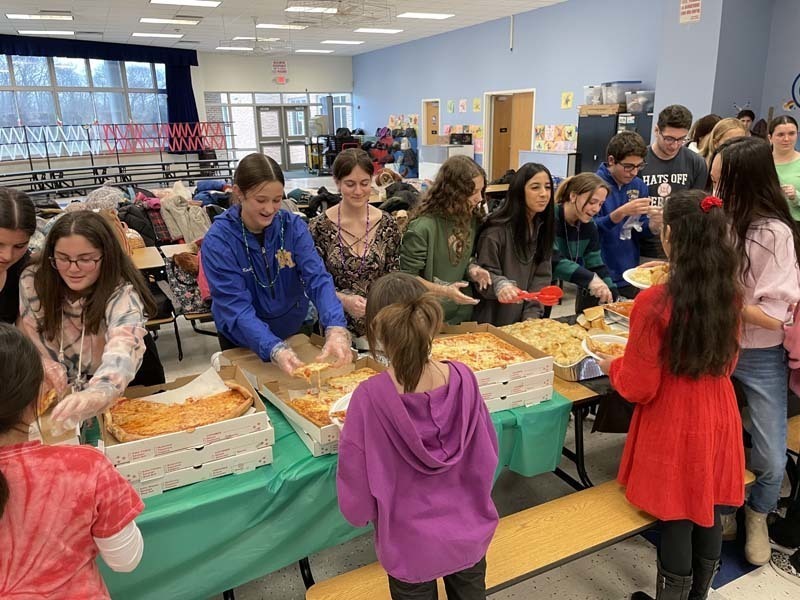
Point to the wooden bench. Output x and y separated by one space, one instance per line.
526 543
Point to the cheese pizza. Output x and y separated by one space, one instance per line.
612 349
133 419
479 351
45 401
316 407
559 340
348 382
306 371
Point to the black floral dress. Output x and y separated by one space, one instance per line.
350 275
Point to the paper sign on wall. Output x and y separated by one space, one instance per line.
451 106
555 138
462 105
280 67
476 105
690 11
566 99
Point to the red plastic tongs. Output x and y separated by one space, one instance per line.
547 296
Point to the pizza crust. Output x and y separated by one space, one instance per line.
45 401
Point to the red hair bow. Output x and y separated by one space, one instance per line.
710 202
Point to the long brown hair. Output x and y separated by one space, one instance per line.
702 337
402 319
22 374
115 269
447 197
255 169
17 211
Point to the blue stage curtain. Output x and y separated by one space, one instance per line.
181 106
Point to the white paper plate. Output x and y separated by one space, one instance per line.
638 284
606 339
341 404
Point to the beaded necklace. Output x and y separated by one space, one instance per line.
281 251
341 241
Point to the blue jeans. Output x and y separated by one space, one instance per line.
764 375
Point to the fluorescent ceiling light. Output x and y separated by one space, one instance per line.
279 26
44 32
234 48
203 3
312 9
40 17
374 30
176 36
186 21
421 15
314 51
342 42
243 38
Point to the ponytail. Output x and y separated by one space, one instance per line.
405 331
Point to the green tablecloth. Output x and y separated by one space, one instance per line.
214 535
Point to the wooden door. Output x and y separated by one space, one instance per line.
431 120
501 135
521 126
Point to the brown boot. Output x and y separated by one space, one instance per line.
757 550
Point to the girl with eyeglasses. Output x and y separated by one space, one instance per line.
262 269
84 306
17 225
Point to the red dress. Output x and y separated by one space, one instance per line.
684 452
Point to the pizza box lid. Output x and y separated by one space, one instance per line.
255 420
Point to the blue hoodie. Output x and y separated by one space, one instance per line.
245 312
620 255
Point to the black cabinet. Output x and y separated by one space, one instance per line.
595 132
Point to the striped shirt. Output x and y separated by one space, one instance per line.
578 258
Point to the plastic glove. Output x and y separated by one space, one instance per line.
79 406
628 226
355 305
55 378
283 356
452 291
337 346
479 275
507 293
599 289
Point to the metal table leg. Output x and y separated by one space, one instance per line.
580 456
305 572
228 595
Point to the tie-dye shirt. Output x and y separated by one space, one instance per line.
60 498
110 358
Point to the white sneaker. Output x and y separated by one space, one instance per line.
729 527
786 566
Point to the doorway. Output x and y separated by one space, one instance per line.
282 133
431 117
509 129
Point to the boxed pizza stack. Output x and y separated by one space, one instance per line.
510 373
235 434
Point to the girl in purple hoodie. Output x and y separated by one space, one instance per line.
418 453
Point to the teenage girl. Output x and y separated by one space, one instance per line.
418 452
683 458
59 505
17 225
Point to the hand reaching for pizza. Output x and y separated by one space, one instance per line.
286 359
337 346
453 292
79 406
480 276
354 305
55 377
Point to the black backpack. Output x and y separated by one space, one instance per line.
136 218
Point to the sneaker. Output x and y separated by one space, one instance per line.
784 532
729 527
757 550
787 566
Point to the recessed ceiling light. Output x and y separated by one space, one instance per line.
280 26
176 36
243 38
421 15
243 48
314 51
374 30
40 17
184 21
342 42
203 3
312 9
44 32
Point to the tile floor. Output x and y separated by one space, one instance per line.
610 574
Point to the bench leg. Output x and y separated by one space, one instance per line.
228 595
178 339
580 453
569 479
202 331
305 572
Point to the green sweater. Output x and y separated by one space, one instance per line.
426 251
577 257
789 174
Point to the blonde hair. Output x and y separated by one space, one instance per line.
581 183
402 318
712 141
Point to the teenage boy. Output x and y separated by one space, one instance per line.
623 219
671 167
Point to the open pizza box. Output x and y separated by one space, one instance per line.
314 447
255 420
236 464
41 430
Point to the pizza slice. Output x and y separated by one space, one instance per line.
45 401
306 371
349 381
316 407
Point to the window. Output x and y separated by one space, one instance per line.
295 98
36 108
71 72
268 98
75 107
8 110
110 107
5 72
161 76
105 73
140 75
31 71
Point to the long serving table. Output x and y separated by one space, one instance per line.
214 535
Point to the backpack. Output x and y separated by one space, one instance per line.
184 287
135 217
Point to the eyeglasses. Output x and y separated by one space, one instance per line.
673 140
630 167
84 264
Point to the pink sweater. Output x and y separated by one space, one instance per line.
773 281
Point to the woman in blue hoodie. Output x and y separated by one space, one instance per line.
262 268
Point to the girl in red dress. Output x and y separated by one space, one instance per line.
683 458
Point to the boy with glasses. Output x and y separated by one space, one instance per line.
671 167
623 220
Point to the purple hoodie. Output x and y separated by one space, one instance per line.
420 467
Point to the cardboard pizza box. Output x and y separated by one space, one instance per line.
541 363
254 421
314 447
239 463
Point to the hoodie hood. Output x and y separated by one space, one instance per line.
430 430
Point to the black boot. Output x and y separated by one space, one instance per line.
668 587
703 573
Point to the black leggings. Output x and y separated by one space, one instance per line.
681 540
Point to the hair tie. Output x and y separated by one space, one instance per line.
710 202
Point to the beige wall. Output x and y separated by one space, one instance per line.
227 73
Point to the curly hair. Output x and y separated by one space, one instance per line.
626 143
